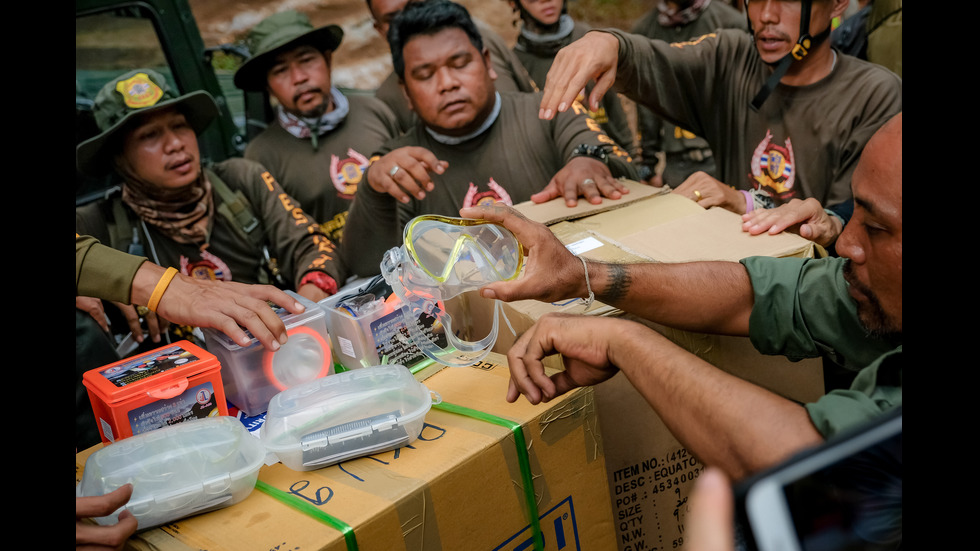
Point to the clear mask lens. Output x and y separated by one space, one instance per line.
462 254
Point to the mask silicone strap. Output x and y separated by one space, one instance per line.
500 311
457 353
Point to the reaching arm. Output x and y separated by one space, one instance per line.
593 161
404 172
707 192
582 177
94 536
724 420
223 305
711 297
592 57
708 297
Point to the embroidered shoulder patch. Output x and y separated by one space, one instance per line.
774 168
346 173
496 194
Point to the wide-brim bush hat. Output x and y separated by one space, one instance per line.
278 33
131 95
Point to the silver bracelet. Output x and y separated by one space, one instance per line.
588 301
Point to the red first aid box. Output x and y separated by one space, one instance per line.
168 385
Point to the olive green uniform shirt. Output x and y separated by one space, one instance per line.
656 135
292 236
611 116
324 180
803 310
103 272
803 142
511 160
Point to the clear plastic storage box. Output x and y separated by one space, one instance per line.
253 375
347 415
368 328
178 471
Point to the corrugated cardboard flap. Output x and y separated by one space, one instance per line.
718 237
555 210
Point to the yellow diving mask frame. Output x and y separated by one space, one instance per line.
441 258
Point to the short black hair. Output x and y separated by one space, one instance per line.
428 17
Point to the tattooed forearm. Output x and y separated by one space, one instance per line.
619 284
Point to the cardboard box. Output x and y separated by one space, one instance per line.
650 474
459 486
665 227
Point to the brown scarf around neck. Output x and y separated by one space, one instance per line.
182 214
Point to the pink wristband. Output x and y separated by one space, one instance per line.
749 202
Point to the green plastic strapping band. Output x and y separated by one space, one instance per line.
311 511
522 458
421 365
415 368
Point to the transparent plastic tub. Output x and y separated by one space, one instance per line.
367 327
178 471
253 375
347 415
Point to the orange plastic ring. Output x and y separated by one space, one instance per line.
267 357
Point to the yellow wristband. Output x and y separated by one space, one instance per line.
161 288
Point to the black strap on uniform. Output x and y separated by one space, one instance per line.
237 210
803 46
240 215
123 233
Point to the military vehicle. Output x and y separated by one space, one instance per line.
114 36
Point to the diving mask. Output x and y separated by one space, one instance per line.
441 258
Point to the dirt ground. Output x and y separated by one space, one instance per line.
362 60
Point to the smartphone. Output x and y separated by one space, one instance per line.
845 494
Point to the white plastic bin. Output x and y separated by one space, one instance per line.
346 415
253 375
178 471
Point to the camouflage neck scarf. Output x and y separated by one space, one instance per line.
182 214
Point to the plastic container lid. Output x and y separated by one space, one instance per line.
304 349
253 374
163 372
347 415
178 471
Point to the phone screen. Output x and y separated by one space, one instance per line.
853 504
847 495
